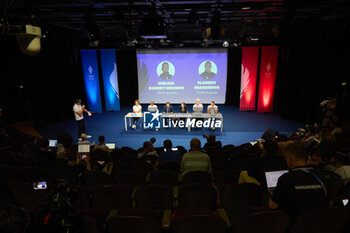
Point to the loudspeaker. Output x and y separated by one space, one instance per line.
269 135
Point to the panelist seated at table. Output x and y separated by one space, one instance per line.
152 107
198 107
168 108
183 108
212 108
137 108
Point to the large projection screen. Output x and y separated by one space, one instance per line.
182 75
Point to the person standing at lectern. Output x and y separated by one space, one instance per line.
78 110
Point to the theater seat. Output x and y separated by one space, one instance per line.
112 197
324 220
133 178
240 196
153 197
227 176
169 166
94 178
133 224
266 222
199 224
197 177
167 178
197 196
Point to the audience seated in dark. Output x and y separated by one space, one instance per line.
147 150
66 140
211 145
101 144
195 159
303 188
169 155
13 219
269 160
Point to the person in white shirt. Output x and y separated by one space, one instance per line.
137 108
198 107
78 110
152 107
212 109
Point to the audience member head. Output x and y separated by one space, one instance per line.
83 136
147 146
66 139
183 104
13 219
78 101
43 144
211 138
168 145
325 150
295 154
270 148
101 140
167 104
195 144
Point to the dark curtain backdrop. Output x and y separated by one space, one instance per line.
51 80
314 59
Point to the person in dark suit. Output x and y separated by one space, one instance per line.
168 108
165 68
207 74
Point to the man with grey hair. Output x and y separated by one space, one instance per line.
198 107
195 159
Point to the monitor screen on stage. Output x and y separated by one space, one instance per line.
182 75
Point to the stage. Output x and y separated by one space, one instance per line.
239 127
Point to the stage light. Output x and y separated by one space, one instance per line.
225 44
246 8
343 84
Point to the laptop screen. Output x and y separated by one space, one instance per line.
272 177
52 143
84 147
111 145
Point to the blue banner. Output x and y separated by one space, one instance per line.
110 79
92 84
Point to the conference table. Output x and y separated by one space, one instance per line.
178 116
131 115
196 116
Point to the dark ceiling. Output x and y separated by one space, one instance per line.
183 22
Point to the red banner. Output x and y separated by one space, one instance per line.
248 78
268 68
